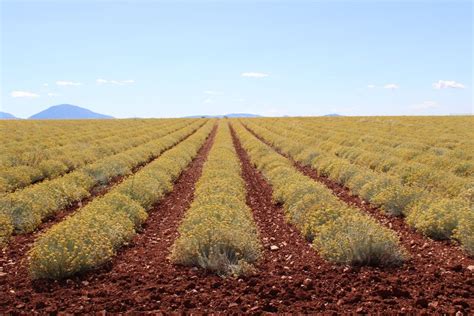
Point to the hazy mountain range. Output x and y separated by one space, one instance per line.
73 112
6 116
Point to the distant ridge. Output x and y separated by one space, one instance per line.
67 112
333 114
7 116
225 115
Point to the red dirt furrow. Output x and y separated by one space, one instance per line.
436 278
442 253
13 269
19 244
290 279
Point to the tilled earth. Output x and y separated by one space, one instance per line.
291 277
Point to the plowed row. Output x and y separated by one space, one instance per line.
290 277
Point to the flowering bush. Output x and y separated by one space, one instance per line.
218 232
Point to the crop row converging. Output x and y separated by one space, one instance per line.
93 234
438 215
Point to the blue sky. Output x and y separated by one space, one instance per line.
178 58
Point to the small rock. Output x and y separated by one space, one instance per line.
307 282
2 274
360 310
253 309
86 283
274 247
470 268
433 304
459 313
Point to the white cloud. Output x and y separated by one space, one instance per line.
24 94
443 84
391 86
45 84
426 105
210 92
114 82
52 94
67 83
371 86
254 74
208 101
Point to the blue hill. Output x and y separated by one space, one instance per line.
67 112
7 116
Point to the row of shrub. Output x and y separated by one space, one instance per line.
339 233
38 136
218 232
92 235
54 162
29 207
381 159
433 215
442 143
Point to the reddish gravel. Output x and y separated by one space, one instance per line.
437 273
19 244
290 279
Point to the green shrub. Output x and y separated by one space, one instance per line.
6 229
124 204
358 240
145 189
373 188
465 231
20 214
52 168
437 219
218 232
396 199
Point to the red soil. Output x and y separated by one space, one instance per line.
19 244
438 267
290 279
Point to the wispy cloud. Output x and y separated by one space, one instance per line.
211 92
254 74
114 82
23 94
208 101
426 105
391 86
52 94
443 84
67 83
45 84
371 86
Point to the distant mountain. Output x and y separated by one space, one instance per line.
225 115
333 114
242 115
67 112
7 116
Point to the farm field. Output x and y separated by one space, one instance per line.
241 215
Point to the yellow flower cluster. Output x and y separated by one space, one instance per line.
397 175
6 229
26 162
28 207
339 233
218 232
92 235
